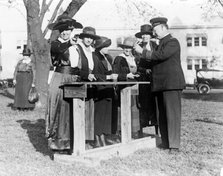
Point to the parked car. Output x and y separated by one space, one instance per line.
207 79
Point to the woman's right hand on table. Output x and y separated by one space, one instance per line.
132 76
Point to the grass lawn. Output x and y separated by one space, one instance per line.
24 152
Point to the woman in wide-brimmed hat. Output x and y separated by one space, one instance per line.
147 110
105 94
125 64
23 80
85 50
59 111
89 65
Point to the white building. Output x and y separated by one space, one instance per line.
201 47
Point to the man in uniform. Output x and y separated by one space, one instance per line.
167 83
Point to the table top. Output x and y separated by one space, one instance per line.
107 83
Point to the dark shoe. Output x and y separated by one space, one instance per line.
63 152
163 146
174 150
112 139
52 156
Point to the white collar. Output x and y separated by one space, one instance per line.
165 35
27 60
85 48
123 55
62 40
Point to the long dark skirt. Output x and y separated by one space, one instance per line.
103 116
147 109
103 110
22 88
59 118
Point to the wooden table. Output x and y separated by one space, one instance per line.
78 92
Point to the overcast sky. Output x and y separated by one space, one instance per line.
188 11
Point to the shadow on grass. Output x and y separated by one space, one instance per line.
209 121
7 93
214 97
36 134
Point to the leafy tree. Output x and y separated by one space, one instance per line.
212 8
134 12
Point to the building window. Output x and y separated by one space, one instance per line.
204 63
189 41
204 41
189 64
196 41
197 64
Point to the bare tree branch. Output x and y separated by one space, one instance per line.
73 7
52 17
44 8
220 2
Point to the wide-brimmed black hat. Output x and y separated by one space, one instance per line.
65 23
128 42
144 29
157 21
26 51
103 42
89 32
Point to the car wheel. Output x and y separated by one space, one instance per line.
204 89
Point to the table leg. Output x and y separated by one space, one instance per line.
79 126
126 115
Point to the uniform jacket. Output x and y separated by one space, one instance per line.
167 73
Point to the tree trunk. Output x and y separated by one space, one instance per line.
41 50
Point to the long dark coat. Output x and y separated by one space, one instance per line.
104 99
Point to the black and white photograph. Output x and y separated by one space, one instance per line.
111 87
